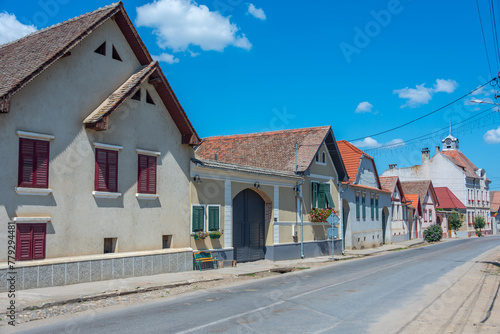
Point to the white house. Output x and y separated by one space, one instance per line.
96 151
450 168
365 205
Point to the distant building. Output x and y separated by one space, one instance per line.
366 218
401 225
450 168
448 203
495 211
428 201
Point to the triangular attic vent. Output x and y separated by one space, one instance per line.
149 99
115 54
101 49
137 95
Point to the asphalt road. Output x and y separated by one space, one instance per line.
346 297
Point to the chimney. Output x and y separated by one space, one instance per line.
437 149
393 166
426 154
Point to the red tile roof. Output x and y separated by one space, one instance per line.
24 59
448 200
459 159
495 200
351 155
274 150
390 183
420 187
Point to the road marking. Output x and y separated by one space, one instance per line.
194 329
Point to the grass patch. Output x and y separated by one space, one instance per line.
303 268
398 249
251 275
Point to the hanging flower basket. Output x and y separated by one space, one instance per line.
200 235
215 234
320 215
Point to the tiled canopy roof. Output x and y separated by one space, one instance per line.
495 200
459 159
351 155
274 150
420 188
448 200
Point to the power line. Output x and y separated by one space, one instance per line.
434 132
484 39
419 118
494 32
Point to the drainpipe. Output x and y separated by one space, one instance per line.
341 214
301 219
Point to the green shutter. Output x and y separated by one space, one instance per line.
213 218
329 199
357 207
363 204
198 218
376 207
314 195
321 196
372 208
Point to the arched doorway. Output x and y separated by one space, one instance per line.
248 226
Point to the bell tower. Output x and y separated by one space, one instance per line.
450 142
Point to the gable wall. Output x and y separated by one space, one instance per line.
56 103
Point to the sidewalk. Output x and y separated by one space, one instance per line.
52 296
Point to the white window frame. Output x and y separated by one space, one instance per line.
208 217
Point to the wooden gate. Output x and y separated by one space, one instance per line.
248 226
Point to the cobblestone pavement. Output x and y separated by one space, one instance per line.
136 298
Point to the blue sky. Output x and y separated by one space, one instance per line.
360 66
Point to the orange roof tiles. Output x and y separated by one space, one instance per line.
351 155
459 159
495 200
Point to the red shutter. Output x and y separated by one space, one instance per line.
100 170
26 162
38 241
142 182
112 166
41 170
23 242
152 175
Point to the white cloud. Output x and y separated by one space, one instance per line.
167 58
181 23
447 86
370 143
364 107
256 12
422 95
492 136
11 29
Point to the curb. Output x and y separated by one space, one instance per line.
117 293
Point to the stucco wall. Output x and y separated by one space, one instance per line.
56 103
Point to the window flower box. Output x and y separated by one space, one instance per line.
200 235
321 215
215 234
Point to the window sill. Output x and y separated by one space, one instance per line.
147 196
105 194
33 191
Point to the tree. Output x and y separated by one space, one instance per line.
433 233
454 221
479 223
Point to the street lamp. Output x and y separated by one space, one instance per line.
484 102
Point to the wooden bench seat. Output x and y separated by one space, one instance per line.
204 257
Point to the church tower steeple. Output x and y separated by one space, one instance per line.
450 142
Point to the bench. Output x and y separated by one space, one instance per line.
204 257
